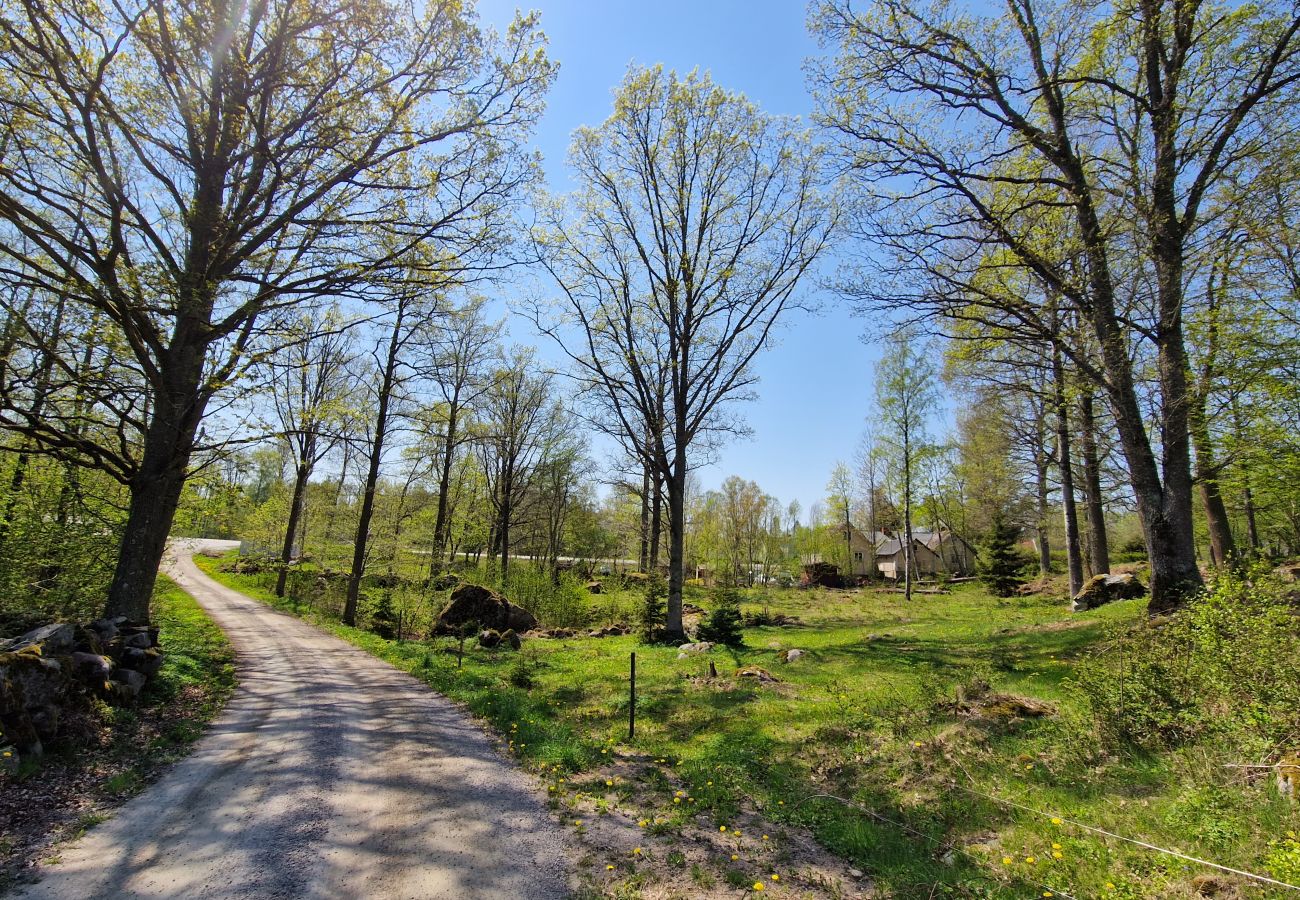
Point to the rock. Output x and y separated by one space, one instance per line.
104 629
147 661
53 639
1102 589
473 603
92 669
509 638
636 578
856 873
127 684
791 655
489 637
139 640
594 587
697 647
756 672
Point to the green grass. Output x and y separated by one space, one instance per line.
867 715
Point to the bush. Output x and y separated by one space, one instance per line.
383 621
723 625
1224 666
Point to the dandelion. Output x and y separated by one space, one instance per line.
758 885
764 837
1056 854
1056 846
677 799
608 783
609 868
642 824
577 823
1006 860
775 877
1055 820
722 827
734 857
1029 859
710 784
636 851
1110 885
1047 893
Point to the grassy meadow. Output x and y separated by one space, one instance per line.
888 739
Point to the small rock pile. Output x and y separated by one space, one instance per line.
56 668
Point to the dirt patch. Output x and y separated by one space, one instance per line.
637 825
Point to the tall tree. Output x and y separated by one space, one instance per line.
987 129
187 169
696 219
309 384
906 396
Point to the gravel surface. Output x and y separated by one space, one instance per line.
330 774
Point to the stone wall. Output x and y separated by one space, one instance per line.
61 667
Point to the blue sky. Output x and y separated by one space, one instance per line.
815 386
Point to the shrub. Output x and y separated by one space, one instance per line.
723 625
1223 666
383 620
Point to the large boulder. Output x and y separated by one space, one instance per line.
1102 589
485 608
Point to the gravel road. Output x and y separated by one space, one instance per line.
330 774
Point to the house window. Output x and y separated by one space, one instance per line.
857 555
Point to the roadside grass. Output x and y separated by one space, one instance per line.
869 742
62 795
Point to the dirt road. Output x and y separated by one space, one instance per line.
330 774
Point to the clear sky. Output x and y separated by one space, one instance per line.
815 386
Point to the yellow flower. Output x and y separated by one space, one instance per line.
1056 854
775 877
608 783
1029 859
677 799
758 885
1047 893
710 784
642 824
1006 860
609 868
636 852
1056 846
577 821
1110 885
764 837
722 827
1055 820
734 857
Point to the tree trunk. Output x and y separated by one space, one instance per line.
1223 547
656 519
1065 463
1098 544
1040 524
1252 530
157 485
907 515
301 474
361 543
644 558
673 628
440 524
